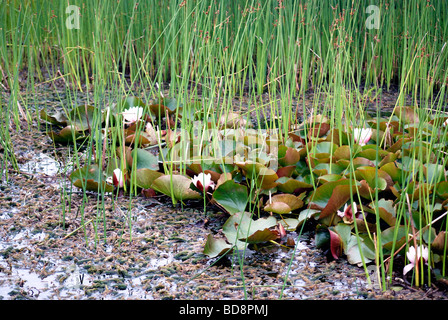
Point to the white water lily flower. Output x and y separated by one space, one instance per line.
133 114
362 136
118 178
412 254
203 181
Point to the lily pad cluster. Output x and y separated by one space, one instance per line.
351 182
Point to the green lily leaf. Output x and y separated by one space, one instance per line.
327 168
287 156
265 177
175 186
375 178
240 227
91 178
360 254
434 172
165 105
283 203
325 147
441 189
346 152
329 177
82 117
289 185
144 159
145 177
393 171
290 224
58 118
216 247
393 238
130 102
386 210
67 134
232 196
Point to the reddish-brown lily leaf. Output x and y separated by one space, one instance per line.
335 244
339 196
288 156
286 171
440 242
407 114
330 196
318 130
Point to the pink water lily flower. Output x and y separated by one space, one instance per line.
348 212
133 114
362 135
414 257
203 181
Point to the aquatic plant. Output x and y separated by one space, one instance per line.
352 190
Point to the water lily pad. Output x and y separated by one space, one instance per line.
165 105
265 177
287 156
67 134
130 102
329 177
145 177
325 147
143 158
175 186
434 173
360 249
407 114
394 237
290 185
216 247
289 224
283 203
318 130
83 117
232 196
393 171
327 168
286 171
441 189
386 211
325 238
91 178
375 178
346 152
241 227
440 242
330 196
58 118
